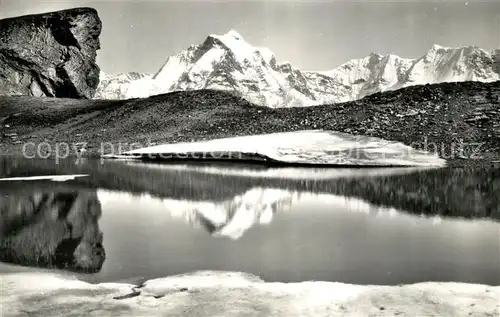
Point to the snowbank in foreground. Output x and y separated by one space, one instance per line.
238 294
315 147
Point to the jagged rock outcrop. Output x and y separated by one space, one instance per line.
52 230
50 54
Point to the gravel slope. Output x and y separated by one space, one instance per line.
459 120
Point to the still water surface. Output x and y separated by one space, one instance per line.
129 221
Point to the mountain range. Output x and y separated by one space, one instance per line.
228 62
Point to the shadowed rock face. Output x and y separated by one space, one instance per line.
52 230
51 54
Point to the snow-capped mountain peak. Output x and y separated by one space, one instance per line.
228 62
232 42
446 64
115 86
231 35
436 47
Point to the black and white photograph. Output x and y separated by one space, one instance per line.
227 158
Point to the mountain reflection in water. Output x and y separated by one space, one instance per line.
285 235
454 192
52 230
363 226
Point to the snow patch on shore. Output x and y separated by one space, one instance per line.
311 147
54 178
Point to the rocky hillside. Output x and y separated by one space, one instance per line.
458 120
51 54
227 62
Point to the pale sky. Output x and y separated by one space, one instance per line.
312 35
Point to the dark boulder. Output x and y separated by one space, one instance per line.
50 54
